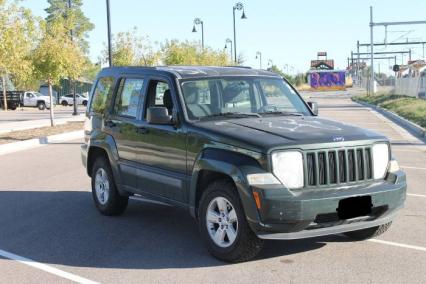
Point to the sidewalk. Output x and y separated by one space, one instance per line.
31 124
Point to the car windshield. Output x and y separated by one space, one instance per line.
38 94
240 97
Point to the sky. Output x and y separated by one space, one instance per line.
290 33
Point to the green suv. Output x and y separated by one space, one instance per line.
242 151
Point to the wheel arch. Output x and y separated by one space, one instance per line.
104 145
213 164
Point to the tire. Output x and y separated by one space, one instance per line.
41 106
104 191
240 244
368 233
84 103
64 103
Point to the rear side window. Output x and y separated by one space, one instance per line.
128 98
101 93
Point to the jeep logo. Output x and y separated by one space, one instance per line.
338 139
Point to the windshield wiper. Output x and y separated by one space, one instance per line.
234 114
286 113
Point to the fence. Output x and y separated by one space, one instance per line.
412 86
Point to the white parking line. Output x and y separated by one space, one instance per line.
414 168
416 195
397 244
46 268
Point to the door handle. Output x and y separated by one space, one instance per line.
110 123
142 130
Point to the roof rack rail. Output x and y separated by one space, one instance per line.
238 66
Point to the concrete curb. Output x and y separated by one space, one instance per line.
411 126
38 142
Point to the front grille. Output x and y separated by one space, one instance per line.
337 166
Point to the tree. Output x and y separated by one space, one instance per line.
56 56
189 53
277 70
129 49
74 20
17 31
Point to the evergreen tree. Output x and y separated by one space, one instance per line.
75 20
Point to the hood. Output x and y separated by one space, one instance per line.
267 133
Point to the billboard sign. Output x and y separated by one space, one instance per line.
327 80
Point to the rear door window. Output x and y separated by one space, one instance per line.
103 90
129 97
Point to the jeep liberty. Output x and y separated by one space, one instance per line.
241 151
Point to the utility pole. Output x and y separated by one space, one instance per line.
385 24
109 35
372 52
357 65
71 82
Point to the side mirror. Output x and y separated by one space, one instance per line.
314 107
158 115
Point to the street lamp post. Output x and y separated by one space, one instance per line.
109 35
198 21
259 56
74 96
239 6
228 40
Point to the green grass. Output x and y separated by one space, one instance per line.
410 108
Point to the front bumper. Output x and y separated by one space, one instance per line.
304 214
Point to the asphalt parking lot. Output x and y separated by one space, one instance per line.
52 233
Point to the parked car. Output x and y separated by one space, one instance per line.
13 99
241 151
35 99
69 100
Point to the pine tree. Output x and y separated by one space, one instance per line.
75 19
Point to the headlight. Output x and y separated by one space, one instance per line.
380 160
288 168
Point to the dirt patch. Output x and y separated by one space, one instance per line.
22 135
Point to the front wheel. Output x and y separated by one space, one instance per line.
223 225
41 106
104 191
64 103
368 233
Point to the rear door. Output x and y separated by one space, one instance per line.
122 124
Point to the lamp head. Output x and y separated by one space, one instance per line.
243 16
194 30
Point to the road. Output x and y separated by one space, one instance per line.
47 215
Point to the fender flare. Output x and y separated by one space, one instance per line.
106 143
236 171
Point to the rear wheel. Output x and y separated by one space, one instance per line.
223 225
64 103
41 106
104 191
368 233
